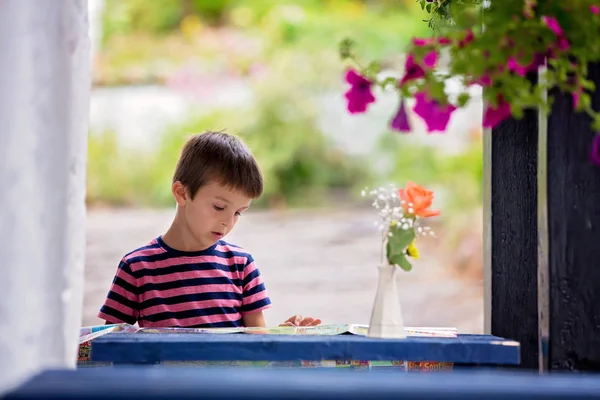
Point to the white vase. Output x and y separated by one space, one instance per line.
386 316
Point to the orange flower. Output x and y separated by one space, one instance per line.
419 199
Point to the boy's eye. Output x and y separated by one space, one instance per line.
218 208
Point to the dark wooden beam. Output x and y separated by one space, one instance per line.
513 234
574 237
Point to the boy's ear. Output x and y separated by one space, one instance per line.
179 193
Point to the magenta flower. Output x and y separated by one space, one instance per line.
359 95
400 122
430 59
444 41
469 37
483 80
595 153
436 116
563 43
412 70
594 9
553 25
494 115
538 61
515 67
577 98
422 42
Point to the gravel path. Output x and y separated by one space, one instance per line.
313 263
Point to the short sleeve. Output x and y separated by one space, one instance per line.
255 296
121 304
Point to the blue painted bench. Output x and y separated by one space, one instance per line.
121 348
153 383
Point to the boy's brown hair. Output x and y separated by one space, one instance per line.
221 157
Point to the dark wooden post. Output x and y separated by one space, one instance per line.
513 237
574 237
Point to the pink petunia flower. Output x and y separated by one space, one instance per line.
469 37
422 42
515 67
595 9
595 152
576 100
436 116
359 95
553 25
494 115
430 59
563 43
400 122
521 70
412 70
484 80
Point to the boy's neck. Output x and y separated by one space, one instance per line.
178 238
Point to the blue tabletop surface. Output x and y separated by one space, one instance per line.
153 348
150 382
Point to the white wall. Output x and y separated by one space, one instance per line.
44 95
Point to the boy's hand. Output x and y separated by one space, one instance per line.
298 320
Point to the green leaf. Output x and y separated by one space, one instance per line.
397 243
373 68
463 99
401 261
404 263
389 81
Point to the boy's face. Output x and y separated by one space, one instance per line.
212 213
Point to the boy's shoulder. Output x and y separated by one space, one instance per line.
232 250
151 249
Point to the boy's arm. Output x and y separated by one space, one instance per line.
121 304
255 298
254 319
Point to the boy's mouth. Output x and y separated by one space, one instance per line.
218 235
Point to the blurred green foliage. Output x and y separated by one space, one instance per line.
146 41
293 43
300 169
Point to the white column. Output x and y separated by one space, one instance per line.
44 96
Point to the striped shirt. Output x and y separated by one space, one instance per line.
158 286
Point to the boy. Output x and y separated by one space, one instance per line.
190 277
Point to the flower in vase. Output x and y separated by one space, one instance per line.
417 200
400 211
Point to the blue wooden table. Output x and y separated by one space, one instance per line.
154 348
153 383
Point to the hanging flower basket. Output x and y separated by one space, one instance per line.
496 44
